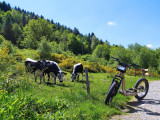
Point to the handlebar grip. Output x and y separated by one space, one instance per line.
116 58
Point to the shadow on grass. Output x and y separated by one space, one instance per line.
60 84
82 81
92 97
137 106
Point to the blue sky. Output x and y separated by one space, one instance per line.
121 22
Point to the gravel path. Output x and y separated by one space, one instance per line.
147 109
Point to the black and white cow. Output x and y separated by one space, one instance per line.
77 69
53 68
34 66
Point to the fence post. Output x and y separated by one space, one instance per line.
87 80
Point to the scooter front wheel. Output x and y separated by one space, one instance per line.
111 93
142 87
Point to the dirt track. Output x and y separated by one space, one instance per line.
147 109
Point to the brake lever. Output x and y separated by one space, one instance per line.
134 65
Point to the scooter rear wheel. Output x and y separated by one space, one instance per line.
142 87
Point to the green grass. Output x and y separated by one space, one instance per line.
22 98
67 100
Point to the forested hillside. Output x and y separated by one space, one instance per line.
26 30
24 35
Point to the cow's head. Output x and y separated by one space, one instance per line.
73 76
61 75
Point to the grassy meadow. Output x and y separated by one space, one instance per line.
22 98
68 100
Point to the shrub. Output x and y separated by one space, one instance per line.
58 57
5 58
44 49
10 46
68 63
1 39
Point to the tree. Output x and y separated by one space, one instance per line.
136 47
17 32
44 48
4 6
73 44
16 17
148 58
144 57
24 20
64 39
135 52
76 31
95 42
85 45
89 39
35 29
123 54
102 51
8 33
57 36
1 23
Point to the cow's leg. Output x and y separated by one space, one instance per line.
40 74
43 77
35 76
78 77
48 77
54 79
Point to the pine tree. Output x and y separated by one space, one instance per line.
8 33
24 21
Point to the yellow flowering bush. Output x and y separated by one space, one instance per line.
5 58
4 53
58 57
68 63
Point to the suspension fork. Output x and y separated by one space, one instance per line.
121 75
118 80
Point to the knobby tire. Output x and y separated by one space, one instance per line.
142 80
111 93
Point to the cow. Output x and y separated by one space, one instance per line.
77 69
52 67
34 66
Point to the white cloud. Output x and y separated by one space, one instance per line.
149 45
111 23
